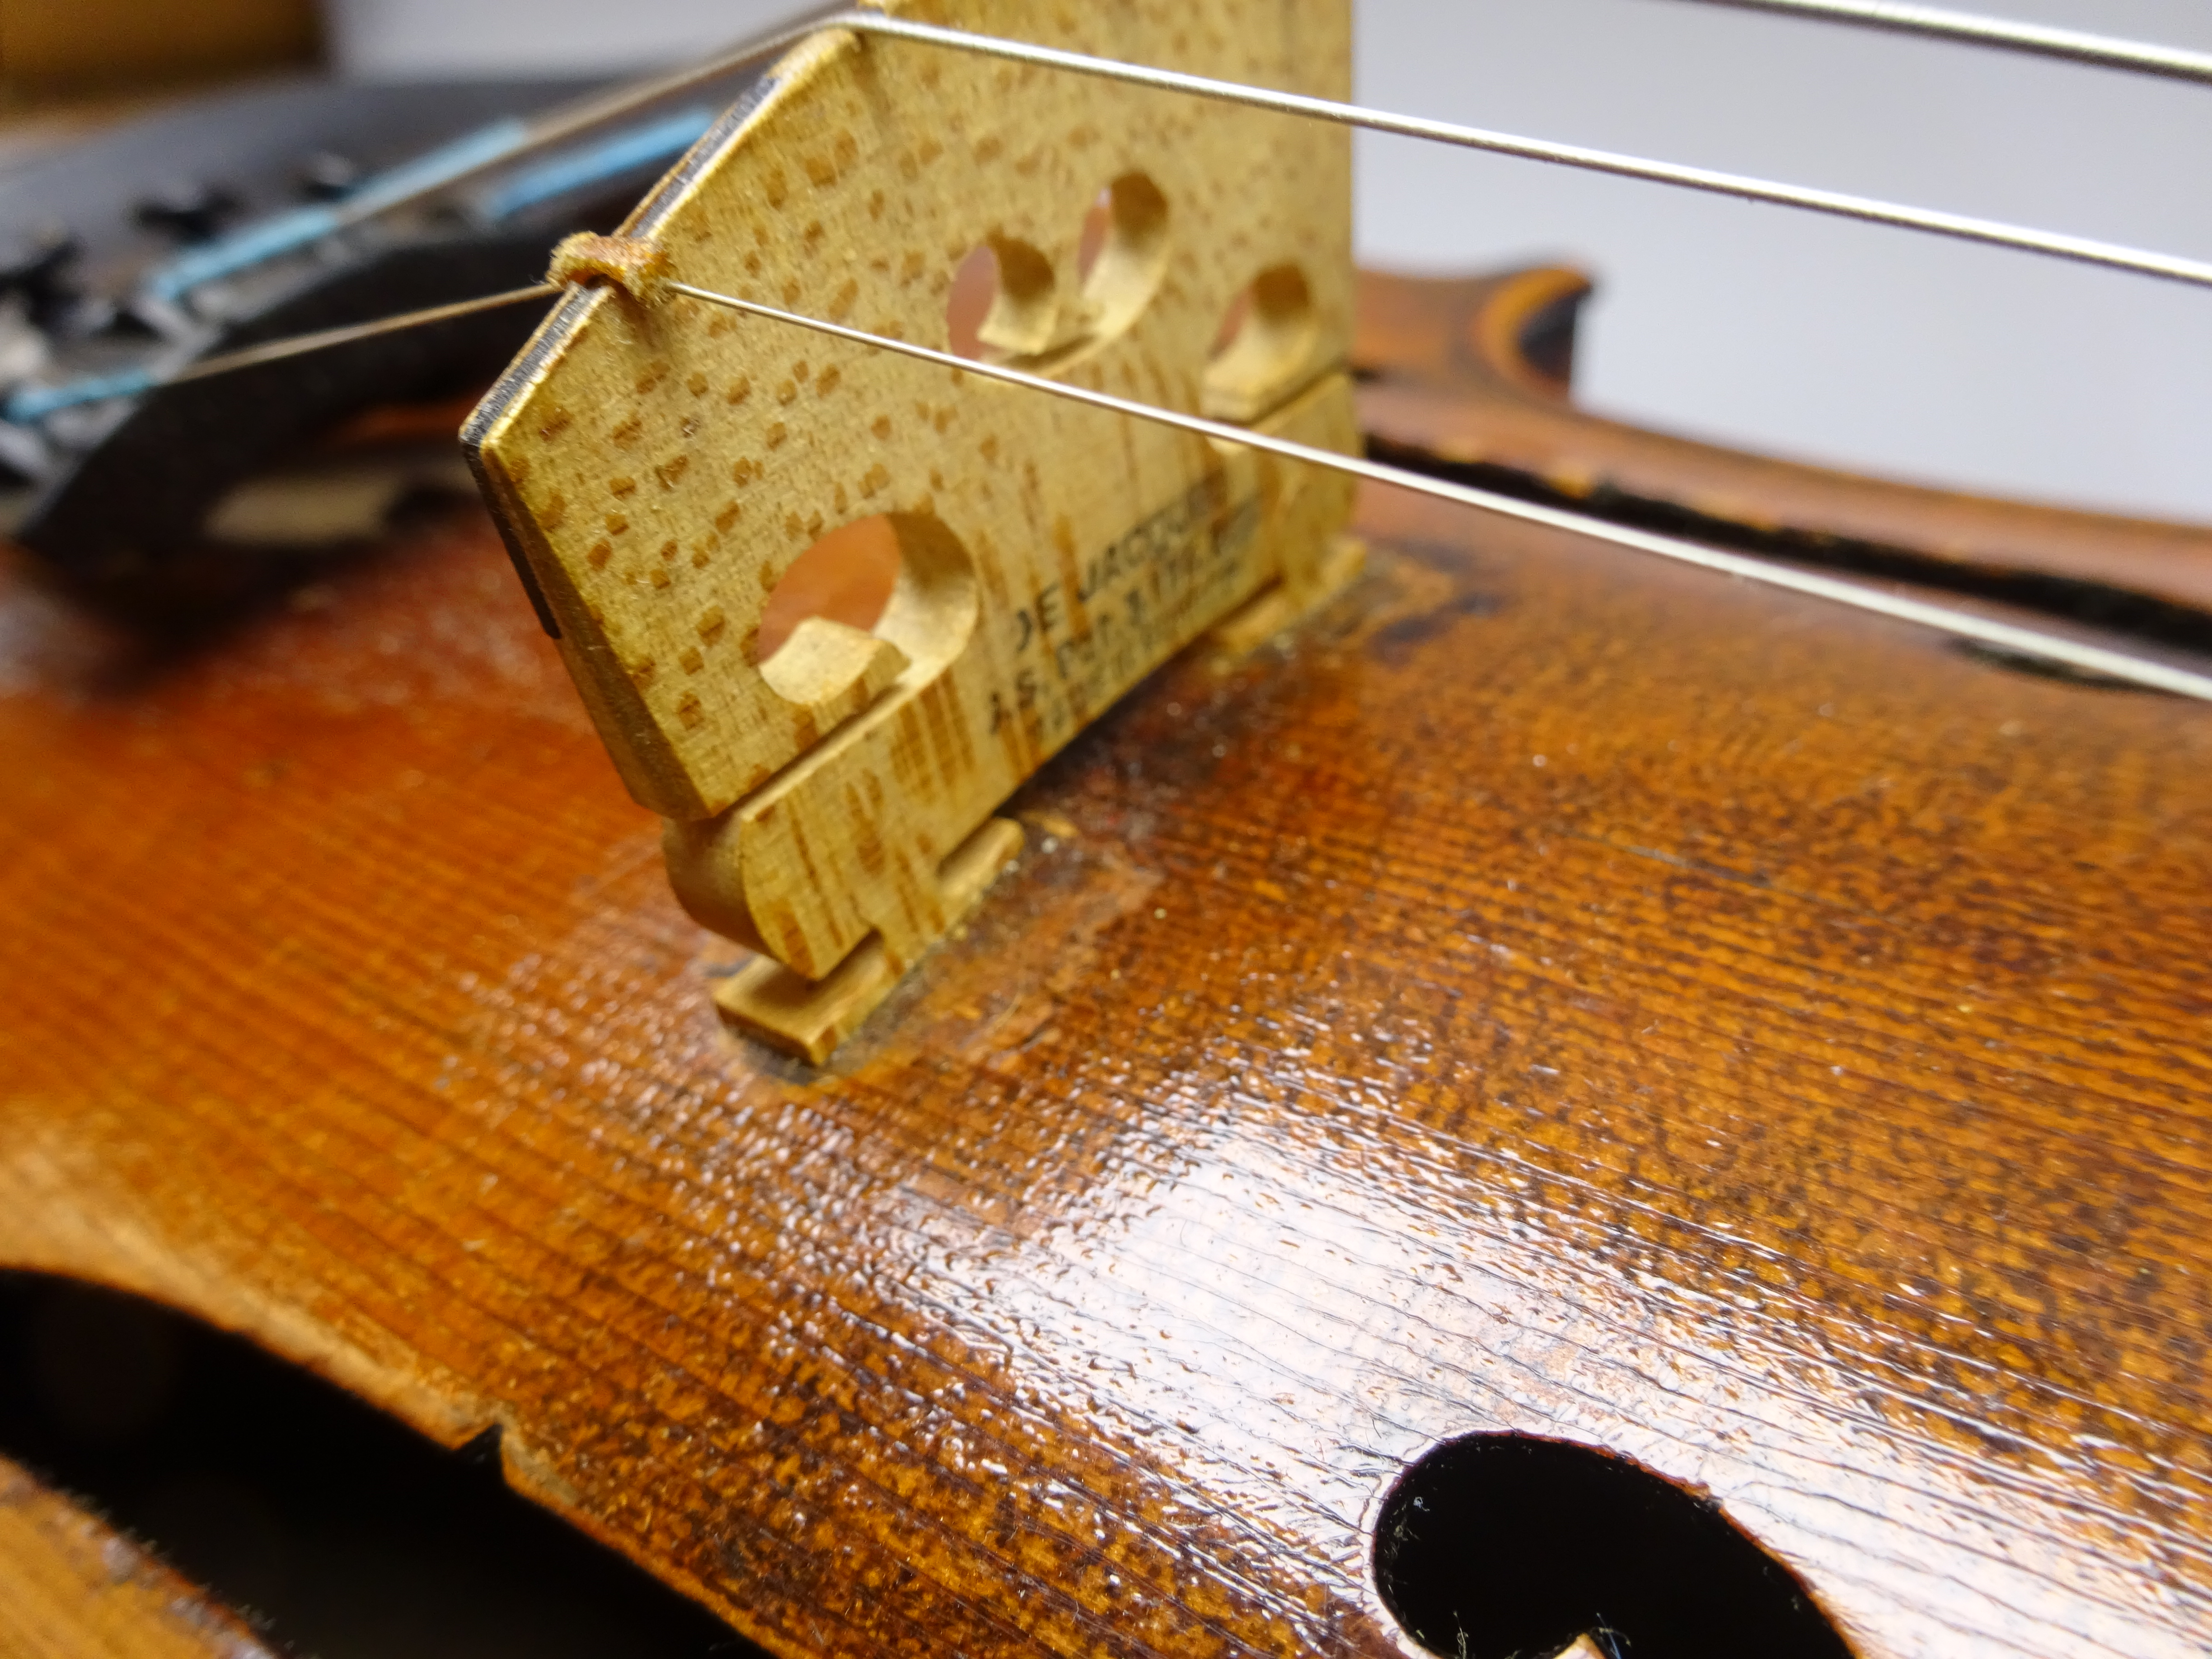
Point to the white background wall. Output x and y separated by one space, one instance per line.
1870 348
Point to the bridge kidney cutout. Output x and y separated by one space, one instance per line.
1509 1546
888 597
1005 305
1265 350
1122 256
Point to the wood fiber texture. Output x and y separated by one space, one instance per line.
659 467
73 1588
1550 992
1454 383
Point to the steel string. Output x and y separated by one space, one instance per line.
2004 636
1960 227
1998 34
296 345
2027 642
581 118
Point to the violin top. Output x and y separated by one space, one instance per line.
1541 1103
1545 994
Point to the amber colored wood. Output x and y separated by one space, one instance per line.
660 466
1553 992
765 1000
71 1587
1448 375
64 45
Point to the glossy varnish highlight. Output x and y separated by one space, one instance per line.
1549 994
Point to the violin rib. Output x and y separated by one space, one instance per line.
1469 375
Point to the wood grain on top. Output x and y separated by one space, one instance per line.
71 1587
1552 992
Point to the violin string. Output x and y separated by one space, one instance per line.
2029 642
586 115
2003 35
2003 636
32 403
2082 249
576 119
298 345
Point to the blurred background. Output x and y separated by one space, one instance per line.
1866 348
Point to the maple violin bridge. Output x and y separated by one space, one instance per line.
830 606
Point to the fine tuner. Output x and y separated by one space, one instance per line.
828 611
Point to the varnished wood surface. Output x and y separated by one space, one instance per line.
1449 377
1555 994
73 1588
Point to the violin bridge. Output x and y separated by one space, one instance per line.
830 607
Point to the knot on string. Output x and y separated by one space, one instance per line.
638 267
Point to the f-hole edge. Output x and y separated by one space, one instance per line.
225 1433
1829 1640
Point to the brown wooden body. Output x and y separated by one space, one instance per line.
71 1588
1472 373
1552 992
